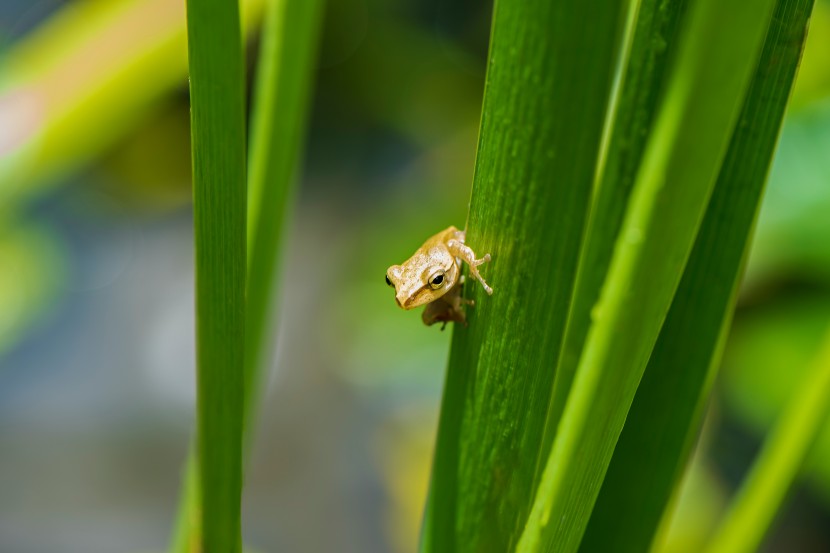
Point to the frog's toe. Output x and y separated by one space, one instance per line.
482 261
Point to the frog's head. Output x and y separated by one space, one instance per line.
423 278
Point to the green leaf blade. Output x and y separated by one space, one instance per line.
284 78
219 212
531 191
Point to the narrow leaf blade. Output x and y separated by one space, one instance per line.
218 131
284 79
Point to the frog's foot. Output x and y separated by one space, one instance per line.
442 312
474 271
464 252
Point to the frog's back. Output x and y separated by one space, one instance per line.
442 237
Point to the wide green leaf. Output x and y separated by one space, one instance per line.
217 92
549 80
665 416
718 51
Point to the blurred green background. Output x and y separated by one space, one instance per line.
96 283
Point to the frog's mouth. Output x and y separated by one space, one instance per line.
407 302
422 297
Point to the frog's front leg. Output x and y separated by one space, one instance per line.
462 251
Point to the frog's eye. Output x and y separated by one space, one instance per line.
388 282
436 281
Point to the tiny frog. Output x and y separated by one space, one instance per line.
432 277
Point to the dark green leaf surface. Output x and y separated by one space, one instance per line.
665 416
218 131
548 85
719 50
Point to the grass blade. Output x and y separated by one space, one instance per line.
665 416
777 466
284 76
187 533
719 50
548 85
217 94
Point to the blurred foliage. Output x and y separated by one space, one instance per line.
768 355
32 268
157 187
403 447
780 460
702 500
813 84
794 228
97 65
